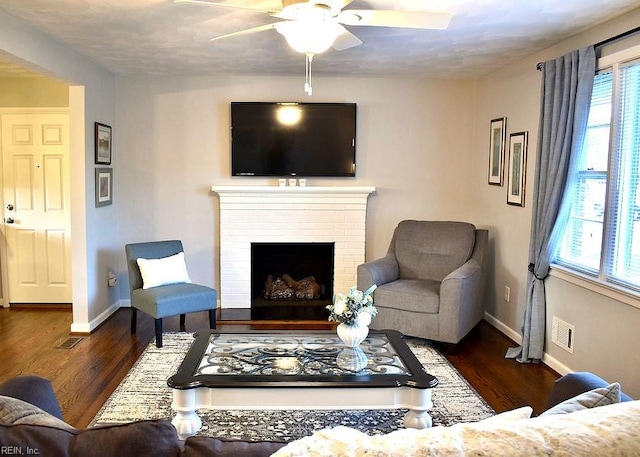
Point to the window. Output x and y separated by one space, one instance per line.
602 235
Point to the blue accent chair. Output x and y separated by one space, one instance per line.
166 300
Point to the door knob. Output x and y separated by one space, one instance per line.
10 207
9 220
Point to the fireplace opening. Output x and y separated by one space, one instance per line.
291 281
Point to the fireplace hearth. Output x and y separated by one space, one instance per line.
291 281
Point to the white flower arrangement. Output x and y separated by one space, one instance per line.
356 307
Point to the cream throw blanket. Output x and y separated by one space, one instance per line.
612 430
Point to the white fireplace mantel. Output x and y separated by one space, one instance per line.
258 214
278 195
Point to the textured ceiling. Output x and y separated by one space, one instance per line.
160 37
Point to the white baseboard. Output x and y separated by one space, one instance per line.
551 362
554 364
99 319
515 336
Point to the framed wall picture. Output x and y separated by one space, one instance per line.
103 144
517 168
497 147
104 186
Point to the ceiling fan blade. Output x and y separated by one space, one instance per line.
345 41
392 18
228 5
260 28
340 3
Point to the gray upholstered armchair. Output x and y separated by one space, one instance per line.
431 282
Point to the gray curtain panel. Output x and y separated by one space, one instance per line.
567 84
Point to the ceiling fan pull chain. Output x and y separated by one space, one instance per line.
307 73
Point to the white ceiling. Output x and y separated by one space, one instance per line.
160 37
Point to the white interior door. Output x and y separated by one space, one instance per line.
36 181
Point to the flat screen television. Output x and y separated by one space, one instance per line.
293 139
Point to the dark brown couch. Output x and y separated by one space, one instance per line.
31 424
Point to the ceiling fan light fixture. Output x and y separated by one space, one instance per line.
310 37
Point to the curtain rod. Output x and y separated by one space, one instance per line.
616 38
603 42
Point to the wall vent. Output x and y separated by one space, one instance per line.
563 334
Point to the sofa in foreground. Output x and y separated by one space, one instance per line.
586 416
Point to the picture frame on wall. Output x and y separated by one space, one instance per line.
517 166
497 147
103 144
104 187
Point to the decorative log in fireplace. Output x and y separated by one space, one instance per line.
287 288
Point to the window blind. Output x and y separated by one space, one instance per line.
602 235
622 250
582 241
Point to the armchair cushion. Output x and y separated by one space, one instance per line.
420 296
174 299
432 249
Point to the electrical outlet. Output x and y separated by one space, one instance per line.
111 279
507 293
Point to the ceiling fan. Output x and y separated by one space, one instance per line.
313 26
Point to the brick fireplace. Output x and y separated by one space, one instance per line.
272 214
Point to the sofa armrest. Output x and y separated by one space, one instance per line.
379 271
573 384
34 390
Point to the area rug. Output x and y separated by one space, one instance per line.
144 394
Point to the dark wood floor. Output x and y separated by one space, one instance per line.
87 374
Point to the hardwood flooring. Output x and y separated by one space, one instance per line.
86 375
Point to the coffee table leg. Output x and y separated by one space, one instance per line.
186 421
417 419
418 414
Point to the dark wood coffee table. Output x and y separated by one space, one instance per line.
299 370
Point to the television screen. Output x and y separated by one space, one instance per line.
293 139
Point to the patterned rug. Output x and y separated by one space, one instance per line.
144 394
